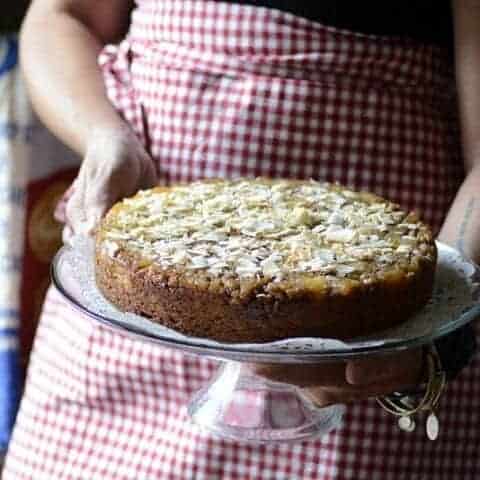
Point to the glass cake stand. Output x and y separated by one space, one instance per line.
240 405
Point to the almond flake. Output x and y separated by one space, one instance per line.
198 263
180 256
343 235
336 218
344 270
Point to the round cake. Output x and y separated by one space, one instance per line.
261 260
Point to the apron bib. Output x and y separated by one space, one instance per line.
223 90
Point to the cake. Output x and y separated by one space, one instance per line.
260 260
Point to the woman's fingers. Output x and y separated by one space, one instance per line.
115 166
101 194
67 234
371 377
303 375
324 396
87 205
74 209
357 380
405 368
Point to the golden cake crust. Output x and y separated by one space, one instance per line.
260 260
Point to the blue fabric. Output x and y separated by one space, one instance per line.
9 389
10 267
9 62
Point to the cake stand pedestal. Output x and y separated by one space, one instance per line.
239 405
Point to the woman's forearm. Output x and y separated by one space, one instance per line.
462 225
59 48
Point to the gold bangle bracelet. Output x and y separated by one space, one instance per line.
405 406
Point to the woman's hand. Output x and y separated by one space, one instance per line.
350 382
116 165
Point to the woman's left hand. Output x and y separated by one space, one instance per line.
350 382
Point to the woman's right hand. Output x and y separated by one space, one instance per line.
116 165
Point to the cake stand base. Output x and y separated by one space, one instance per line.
242 406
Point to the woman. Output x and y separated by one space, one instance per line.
206 88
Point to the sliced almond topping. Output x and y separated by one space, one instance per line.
249 228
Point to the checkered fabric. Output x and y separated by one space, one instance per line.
219 89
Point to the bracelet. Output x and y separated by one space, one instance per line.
405 405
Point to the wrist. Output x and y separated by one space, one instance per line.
114 129
456 350
102 124
109 139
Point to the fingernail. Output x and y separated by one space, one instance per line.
67 235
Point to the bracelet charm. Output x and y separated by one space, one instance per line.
405 406
433 426
406 423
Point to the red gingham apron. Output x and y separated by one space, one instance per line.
218 89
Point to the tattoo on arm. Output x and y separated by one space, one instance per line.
460 244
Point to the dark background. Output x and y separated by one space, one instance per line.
11 14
